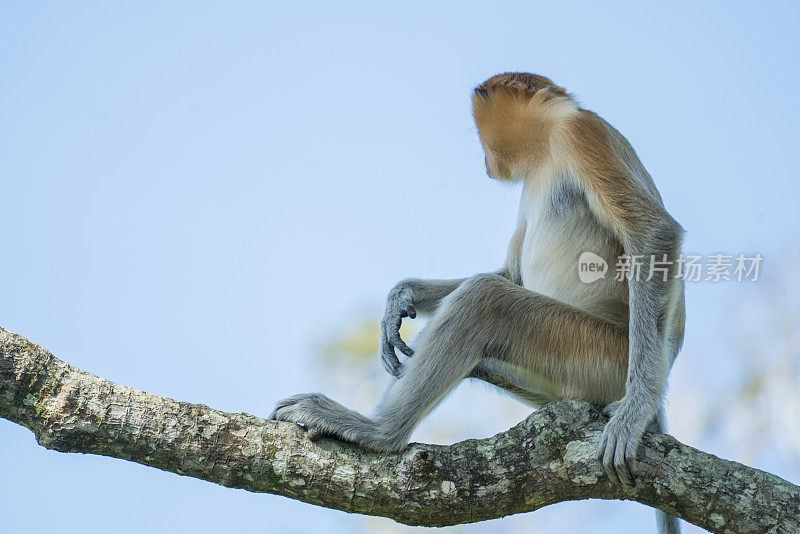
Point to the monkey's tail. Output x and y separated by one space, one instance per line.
667 524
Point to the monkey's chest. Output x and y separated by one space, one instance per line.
572 260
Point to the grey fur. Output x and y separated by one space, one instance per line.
533 328
648 364
472 326
488 327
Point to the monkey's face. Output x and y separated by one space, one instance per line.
507 131
515 114
496 167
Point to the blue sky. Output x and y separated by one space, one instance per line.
195 195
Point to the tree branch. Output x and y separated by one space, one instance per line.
545 459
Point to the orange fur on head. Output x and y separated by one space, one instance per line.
514 115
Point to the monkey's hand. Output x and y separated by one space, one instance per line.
620 441
399 304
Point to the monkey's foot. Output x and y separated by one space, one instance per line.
303 409
322 416
327 418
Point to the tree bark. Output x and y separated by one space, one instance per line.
547 458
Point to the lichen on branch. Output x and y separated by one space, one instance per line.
547 458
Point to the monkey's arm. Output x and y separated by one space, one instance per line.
421 296
650 303
646 231
406 299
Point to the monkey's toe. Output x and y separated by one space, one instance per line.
296 409
316 434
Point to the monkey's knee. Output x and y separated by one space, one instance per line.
483 282
477 293
466 316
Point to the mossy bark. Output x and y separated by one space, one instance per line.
547 458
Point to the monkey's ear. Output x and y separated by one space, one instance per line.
481 92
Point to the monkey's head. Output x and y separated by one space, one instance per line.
515 113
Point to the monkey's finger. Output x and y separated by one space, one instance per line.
621 466
397 341
601 447
610 409
408 311
388 357
630 459
608 459
390 364
283 403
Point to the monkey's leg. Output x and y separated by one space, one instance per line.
449 348
569 352
538 348
445 356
